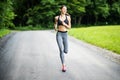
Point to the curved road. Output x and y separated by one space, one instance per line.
34 55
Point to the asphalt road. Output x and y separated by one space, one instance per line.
34 55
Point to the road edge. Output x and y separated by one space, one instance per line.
4 39
106 53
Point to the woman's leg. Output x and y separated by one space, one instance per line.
65 42
60 45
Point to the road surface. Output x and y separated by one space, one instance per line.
34 55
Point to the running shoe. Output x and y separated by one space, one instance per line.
63 68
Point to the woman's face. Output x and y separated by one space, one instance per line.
64 10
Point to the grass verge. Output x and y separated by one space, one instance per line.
107 37
4 32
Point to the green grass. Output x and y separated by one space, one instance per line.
4 32
107 37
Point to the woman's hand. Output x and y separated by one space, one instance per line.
56 29
64 24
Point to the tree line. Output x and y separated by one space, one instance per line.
42 12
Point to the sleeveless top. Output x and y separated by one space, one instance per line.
60 22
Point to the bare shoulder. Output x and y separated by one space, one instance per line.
56 17
69 18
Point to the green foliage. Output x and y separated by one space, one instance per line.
98 7
42 12
116 7
104 10
114 11
6 14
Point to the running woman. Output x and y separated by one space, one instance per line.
62 24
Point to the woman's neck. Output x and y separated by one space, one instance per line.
62 15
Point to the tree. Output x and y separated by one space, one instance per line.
42 12
6 14
96 8
114 12
77 8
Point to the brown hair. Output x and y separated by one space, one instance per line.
66 7
63 6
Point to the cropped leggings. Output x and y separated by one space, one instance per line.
62 42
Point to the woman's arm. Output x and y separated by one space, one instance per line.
55 24
68 26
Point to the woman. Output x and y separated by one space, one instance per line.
62 24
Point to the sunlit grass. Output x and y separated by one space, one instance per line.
107 37
4 32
